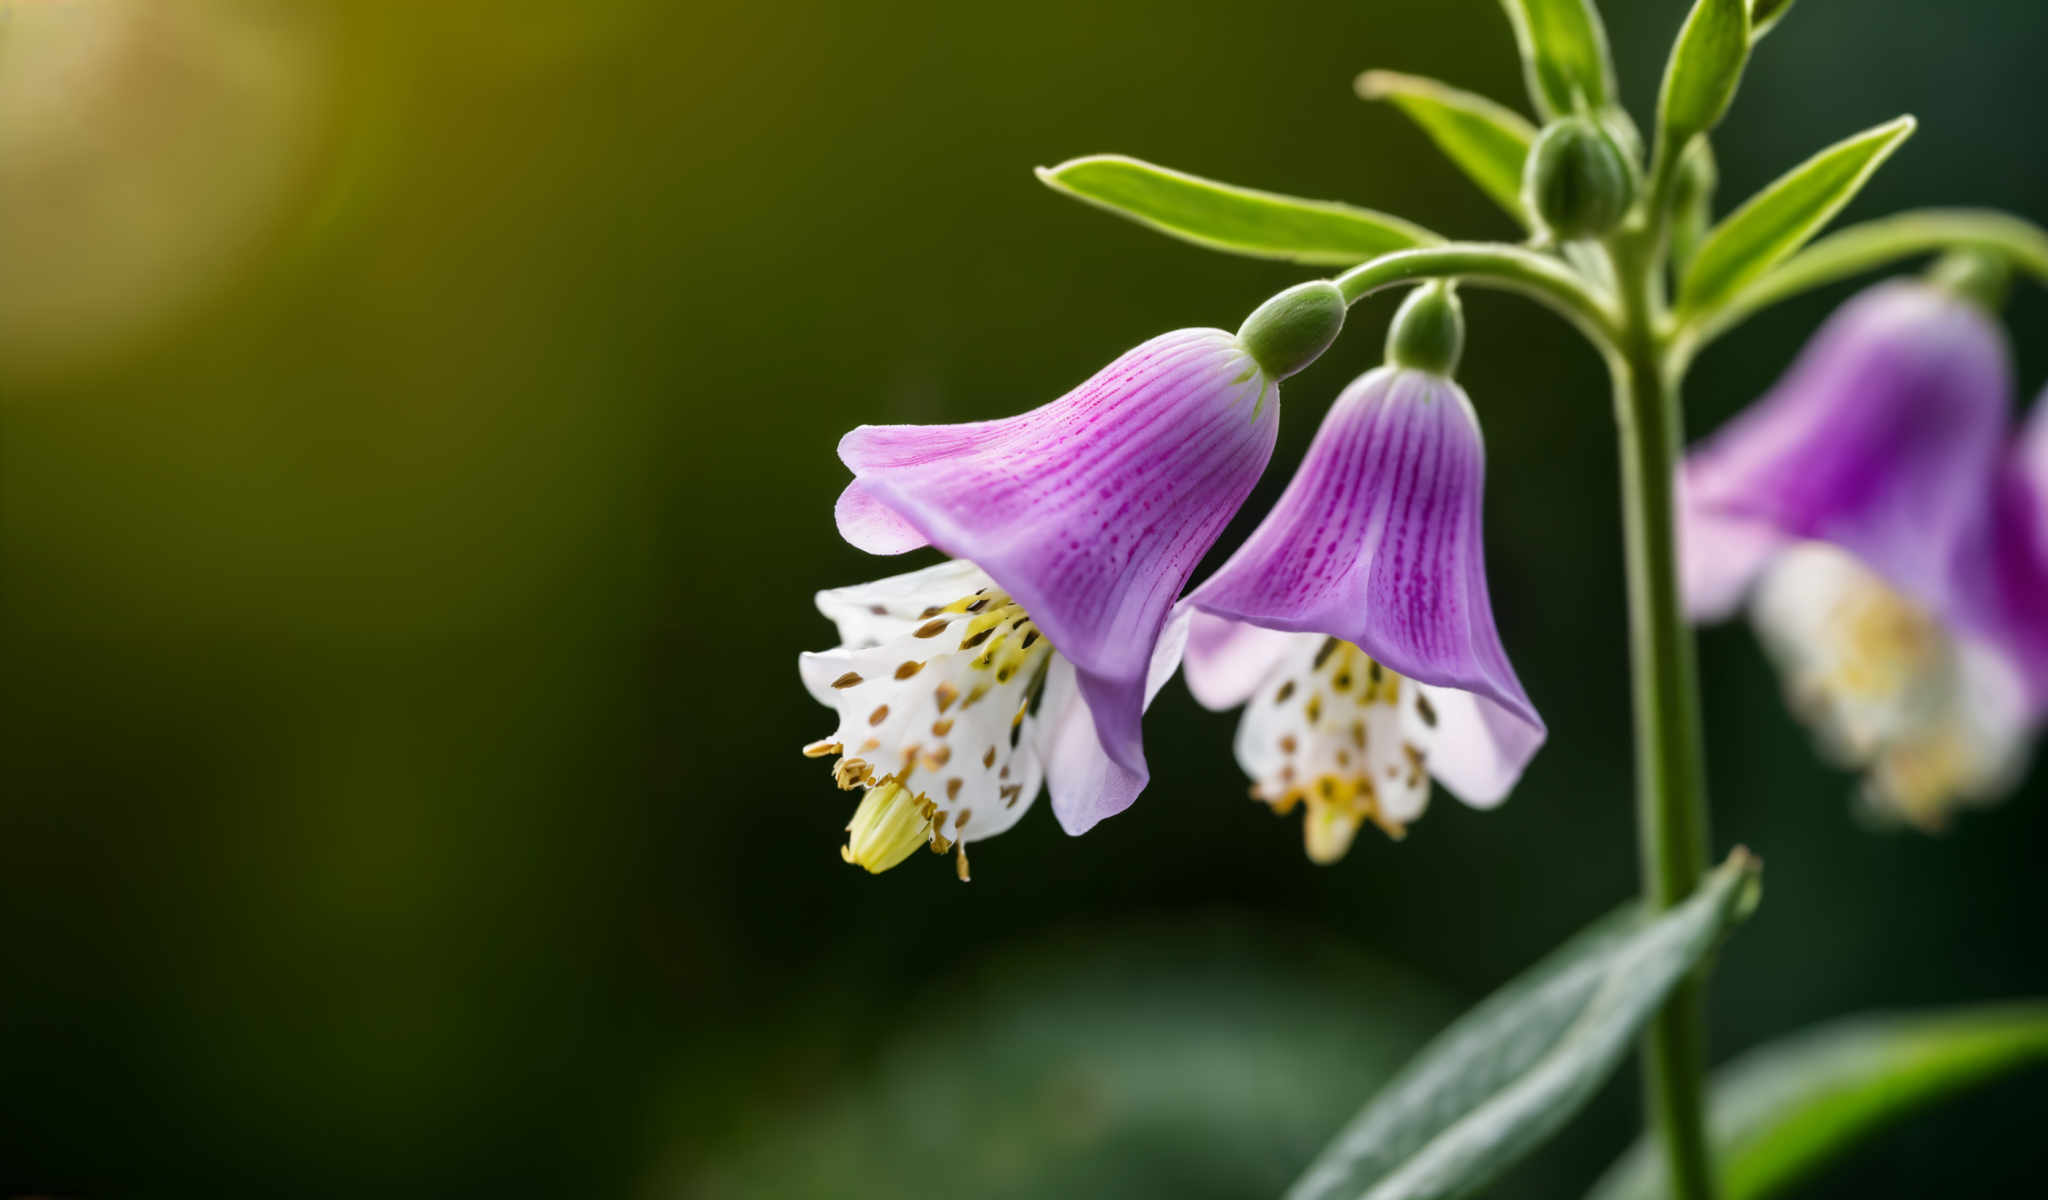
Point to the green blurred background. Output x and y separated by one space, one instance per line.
416 459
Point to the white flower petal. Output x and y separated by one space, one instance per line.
934 693
1861 663
1227 660
1970 753
1477 749
868 614
1328 729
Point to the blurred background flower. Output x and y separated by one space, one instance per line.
144 150
394 402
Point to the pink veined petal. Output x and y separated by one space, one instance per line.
1720 557
1227 660
1882 438
870 525
1091 511
1377 540
1087 785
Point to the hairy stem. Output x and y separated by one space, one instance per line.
1670 773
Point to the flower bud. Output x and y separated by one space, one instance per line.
1576 181
1428 333
1291 330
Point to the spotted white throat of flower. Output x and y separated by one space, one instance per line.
936 693
1935 720
1340 735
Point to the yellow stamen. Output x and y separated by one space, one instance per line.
887 828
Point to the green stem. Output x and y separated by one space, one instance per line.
1670 775
1538 276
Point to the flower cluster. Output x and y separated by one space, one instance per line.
1353 625
1888 531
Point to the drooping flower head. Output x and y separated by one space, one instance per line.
1855 507
1881 439
1354 624
1075 527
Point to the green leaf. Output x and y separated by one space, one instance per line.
1234 219
1511 1072
1783 1110
1764 14
1779 219
1879 243
1564 55
1706 64
1487 141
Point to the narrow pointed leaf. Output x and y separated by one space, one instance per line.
1705 67
1234 219
1486 140
1764 14
1511 1072
1564 54
1780 219
1880 243
1784 1110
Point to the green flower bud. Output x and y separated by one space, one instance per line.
1292 330
1576 181
1428 333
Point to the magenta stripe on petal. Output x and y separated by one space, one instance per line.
1091 510
1377 540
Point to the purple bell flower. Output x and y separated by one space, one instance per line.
1865 511
1355 626
1880 440
1074 527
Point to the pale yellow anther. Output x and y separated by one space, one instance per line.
1322 758
1327 832
888 827
1886 643
911 722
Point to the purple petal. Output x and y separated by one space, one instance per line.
1091 510
1377 541
1087 785
1719 557
2017 598
1882 439
871 525
1227 660
1479 748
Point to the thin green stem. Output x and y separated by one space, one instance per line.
1513 268
1670 773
